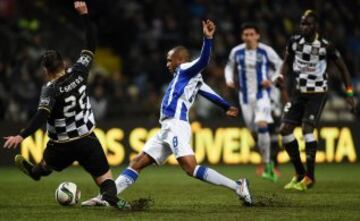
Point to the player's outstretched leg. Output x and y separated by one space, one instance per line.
108 195
35 172
241 187
125 179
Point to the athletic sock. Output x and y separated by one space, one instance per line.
126 179
292 148
211 176
108 192
274 149
264 144
310 149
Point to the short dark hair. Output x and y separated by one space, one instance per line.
249 25
311 13
52 61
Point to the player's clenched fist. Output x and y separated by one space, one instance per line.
81 7
208 28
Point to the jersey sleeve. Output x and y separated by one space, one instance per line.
84 62
332 52
47 98
276 62
200 63
212 96
229 69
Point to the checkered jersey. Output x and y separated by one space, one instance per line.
310 62
71 116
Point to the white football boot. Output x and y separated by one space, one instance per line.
243 191
96 201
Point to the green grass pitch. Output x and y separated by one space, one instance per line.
336 196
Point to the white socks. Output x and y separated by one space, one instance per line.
126 179
264 143
211 176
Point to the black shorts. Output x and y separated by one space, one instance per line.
87 151
304 108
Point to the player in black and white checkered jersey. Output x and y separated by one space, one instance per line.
65 106
307 55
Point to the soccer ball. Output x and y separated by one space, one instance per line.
67 194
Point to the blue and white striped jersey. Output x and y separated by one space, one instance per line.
247 68
186 84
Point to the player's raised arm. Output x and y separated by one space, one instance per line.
200 63
82 9
212 96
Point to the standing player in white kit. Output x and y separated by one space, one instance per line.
249 70
175 134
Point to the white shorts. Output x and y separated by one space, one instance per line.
255 111
173 137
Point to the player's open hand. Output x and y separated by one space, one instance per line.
80 7
13 141
208 28
232 112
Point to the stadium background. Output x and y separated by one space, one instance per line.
129 76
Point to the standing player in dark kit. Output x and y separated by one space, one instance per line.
307 55
65 106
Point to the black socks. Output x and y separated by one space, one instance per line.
310 150
108 192
292 149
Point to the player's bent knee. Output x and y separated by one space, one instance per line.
286 129
262 125
307 128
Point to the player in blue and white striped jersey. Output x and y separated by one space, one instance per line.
175 133
249 70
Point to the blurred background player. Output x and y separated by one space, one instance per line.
64 105
175 134
249 70
307 56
